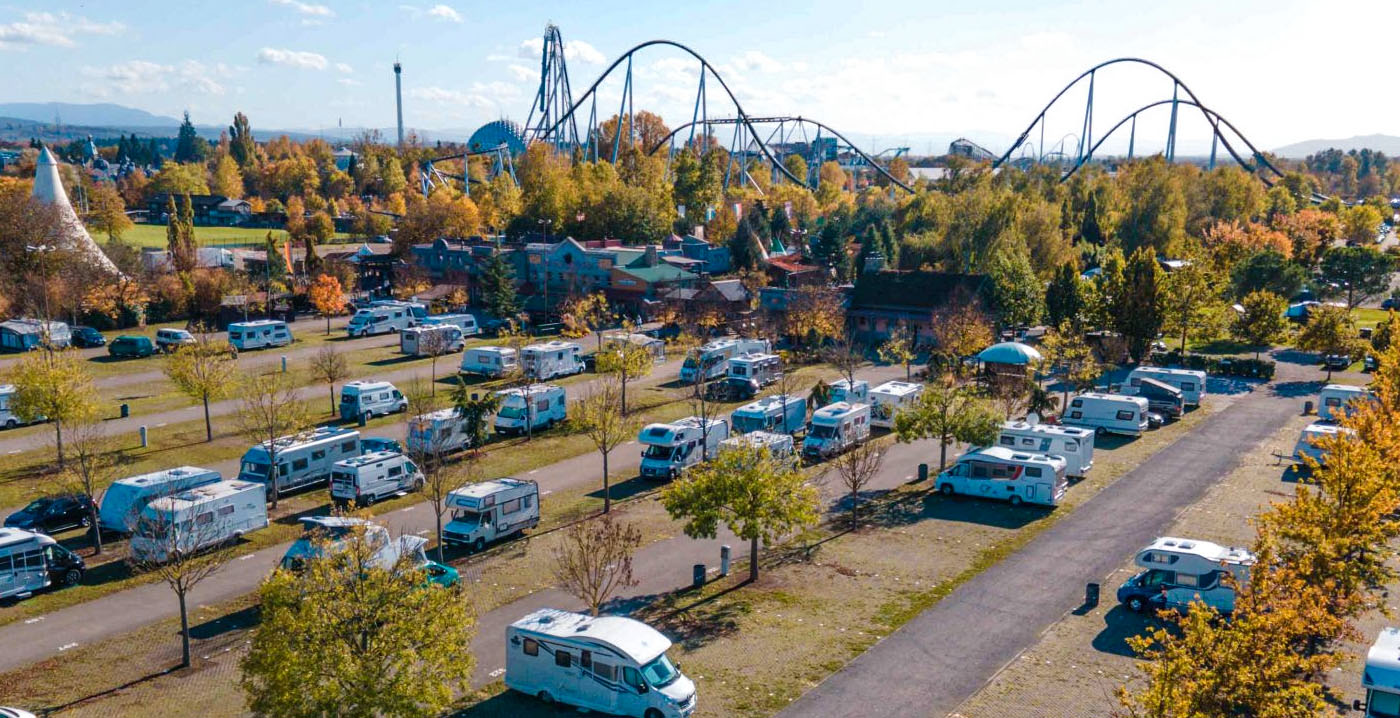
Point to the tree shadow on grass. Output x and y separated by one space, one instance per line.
236 621
689 621
1293 356
628 488
1120 624
934 507
391 361
1295 389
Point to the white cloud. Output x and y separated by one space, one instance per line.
573 50
292 58
312 9
44 28
443 12
756 61
142 76
349 82
495 96
522 72
344 68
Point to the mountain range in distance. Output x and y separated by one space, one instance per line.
64 121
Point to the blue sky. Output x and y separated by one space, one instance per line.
898 70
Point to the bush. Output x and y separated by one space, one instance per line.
1226 366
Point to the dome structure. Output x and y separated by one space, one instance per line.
494 134
48 188
1014 353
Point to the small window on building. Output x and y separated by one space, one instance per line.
531 647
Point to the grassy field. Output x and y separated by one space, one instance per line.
153 235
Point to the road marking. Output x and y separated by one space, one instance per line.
33 620
160 424
497 672
631 442
536 471
245 558
908 477
546 492
16 451
424 532
403 511
67 646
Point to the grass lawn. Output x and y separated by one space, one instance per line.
153 235
1368 317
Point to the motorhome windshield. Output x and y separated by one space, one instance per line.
690 363
660 672
823 431
1383 705
658 452
745 424
255 468
512 412
469 517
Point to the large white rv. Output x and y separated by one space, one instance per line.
493 362
835 428
889 399
1307 446
1178 571
771 413
431 339
543 362
439 432
31 561
489 510
465 322
1333 399
538 406
844 390
756 368
259 334
609 664
1107 413
711 360
380 319
123 500
368 478
199 518
996 472
1381 678
328 534
1191 382
1074 445
674 447
364 398
302 459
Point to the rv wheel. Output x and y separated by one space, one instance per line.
1015 500
1136 604
11 423
71 577
946 489
1099 431
479 544
653 713
545 697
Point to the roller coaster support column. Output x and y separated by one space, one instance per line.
1171 129
1086 137
626 93
1214 140
1132 136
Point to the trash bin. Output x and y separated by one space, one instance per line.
1307 407
923 472
1091 595
126 410
698 578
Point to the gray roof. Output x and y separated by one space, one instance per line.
731 289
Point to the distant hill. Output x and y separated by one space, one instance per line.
1389 144
104 114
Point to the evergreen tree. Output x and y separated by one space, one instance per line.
189 147
1090 230
780 226
1139 313
498 286
743 248
1064 298
240 145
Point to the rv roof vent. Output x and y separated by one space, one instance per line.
1187 545
1168 543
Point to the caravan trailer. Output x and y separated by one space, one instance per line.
1178 571
771 413
1381 677
123 501
1191 382
711 360
656 347
8 418
851 393
31 561
779 445
674 447
302 459
439 432
609 664
465 322
1333 399
1307 449
835 428
1107 413
889 398
1160 396
259 334
489 510
419 341
1000 473
756 370
492 362
545 361
544 405
199 518
1074 445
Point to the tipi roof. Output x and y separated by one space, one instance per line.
73 235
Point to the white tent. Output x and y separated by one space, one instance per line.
72 234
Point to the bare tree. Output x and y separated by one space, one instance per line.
329 367
846 355
439 479
434 343
594 560
599 417
91 465
856 469
270 409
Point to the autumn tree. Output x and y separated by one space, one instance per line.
600 417
594 560
1262 322
627 362
1072 358
270 408
107 211
327 297
588 314
329 367
959 330
899 348
203 371
1329 331
856 469
53 386
758 496
948 413
814 314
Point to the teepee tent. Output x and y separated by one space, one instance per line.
72 234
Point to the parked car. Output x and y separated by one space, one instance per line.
1156 420
168 340
87 337
1336 362
1391 303
53 514
131 345
1370 363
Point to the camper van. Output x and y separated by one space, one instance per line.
674 447
1161 397
259 334
1332 400
779 445
8 418
542 405
302 459
489 510
1191 382
889 399
417 311
419 341
123 501
493 362
465 322
835 428
1307 449
1074 445
199 518
997 472
1108 413
368 478
771 413
851 393
543 362
322 533
756 369
711 360
368 398
32 561
609 664
1381 678
1178 571
380 319
439 432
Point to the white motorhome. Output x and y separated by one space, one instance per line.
889 399
756 368
493 362
779 445
465 322
711 360
1073 444
545 361
431 339
1107 413
1306 448
380 319
123 501
302 459
844 390
417 311
1178 571
368 478
656 346
323 534
8 418
31 561
1333 399
674 447
198 518
1381 678
610 664
365 398
439 432
489 510
996 472
259 334
538 406
771 413
835 428
1191 382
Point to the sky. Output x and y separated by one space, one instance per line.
909 72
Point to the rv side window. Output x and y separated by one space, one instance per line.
1071 446
979 471
605 671
1077 403
226 510
1033 472
511 506
562 658
585 659
1075 415
1135 381
1188 580
395 471
1044 445
631 677
1333 401
347 447
1188 386
560 402
299 464
531 647
1125 415
1008 441
204 519
318 454
445 433
5 565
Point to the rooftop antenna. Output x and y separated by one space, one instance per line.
398 96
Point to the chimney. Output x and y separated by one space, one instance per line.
651 258
398 97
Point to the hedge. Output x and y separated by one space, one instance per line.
1219 366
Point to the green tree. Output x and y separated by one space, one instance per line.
498 287
948 413
476 409
1262 323
1155 215
899 349
1358 273
626 361
1072 358
1329 331
1359 223
1190 300
1016 294
351 636
1267 271
240 145
797 165
1384 331
743 247
203 371
53 385
1064 297
179 235
189 146
1138 312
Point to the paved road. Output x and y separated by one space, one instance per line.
125 611
934 662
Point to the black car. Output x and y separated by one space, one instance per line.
53 514
88 337
1336 362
